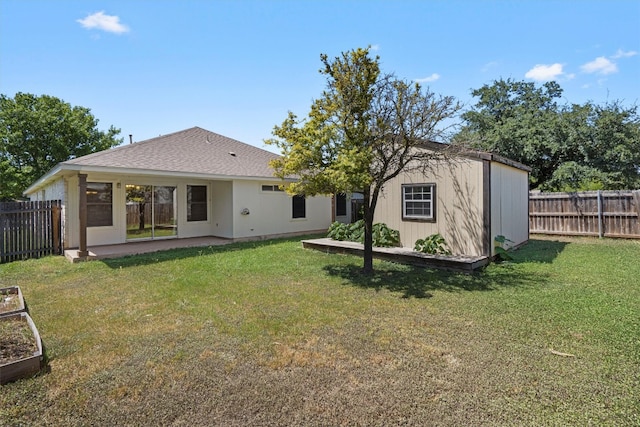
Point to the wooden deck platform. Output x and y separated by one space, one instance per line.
466 264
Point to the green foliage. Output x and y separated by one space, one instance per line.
360 133
338 231
433 244
383 236
356 231
501 248
38 132
571 147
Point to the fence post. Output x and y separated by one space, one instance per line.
55 219
600 233
636 197
3 234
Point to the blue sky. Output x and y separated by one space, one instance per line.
237 67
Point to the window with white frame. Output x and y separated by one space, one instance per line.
418 202
99 204
196 203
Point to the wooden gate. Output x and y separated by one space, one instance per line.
29 230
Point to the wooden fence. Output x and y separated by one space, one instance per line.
590 213
163 214
29 230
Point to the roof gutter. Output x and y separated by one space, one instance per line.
61 168
44 179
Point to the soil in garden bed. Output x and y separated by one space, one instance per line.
9 302
16 341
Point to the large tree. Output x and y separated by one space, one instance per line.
569 147
516 120
38 132
365 129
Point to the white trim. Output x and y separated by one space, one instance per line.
61 168
429 201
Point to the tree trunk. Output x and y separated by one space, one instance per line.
368 234
141 207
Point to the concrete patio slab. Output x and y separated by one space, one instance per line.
143 247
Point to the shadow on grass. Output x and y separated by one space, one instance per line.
418 282
184 253
539 250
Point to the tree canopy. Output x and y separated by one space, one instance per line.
38 132
569 147
365 129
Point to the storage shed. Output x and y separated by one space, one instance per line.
470 199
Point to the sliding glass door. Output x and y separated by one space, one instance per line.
151 212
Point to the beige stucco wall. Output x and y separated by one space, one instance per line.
459 204
509 203
222 209
270 212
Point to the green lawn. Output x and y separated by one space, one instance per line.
268 333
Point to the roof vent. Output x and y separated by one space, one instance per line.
232 153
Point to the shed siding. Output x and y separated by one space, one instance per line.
459 201
509 203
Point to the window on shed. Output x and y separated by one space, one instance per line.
99 204
196 202
418 202
299 205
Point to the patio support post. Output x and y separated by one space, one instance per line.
82 184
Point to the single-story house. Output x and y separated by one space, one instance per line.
470 199
186 184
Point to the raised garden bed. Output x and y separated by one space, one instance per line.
11 300
20 349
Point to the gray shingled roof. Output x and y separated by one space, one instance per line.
192 151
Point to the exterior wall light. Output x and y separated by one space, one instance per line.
244 211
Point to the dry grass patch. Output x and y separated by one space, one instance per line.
268 333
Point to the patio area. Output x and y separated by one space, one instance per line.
143 247
467 264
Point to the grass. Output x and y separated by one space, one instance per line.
268 333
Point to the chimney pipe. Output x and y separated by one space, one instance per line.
130 139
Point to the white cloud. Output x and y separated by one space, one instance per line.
544 73
100 21
374 47
600 65
432 78
622 54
